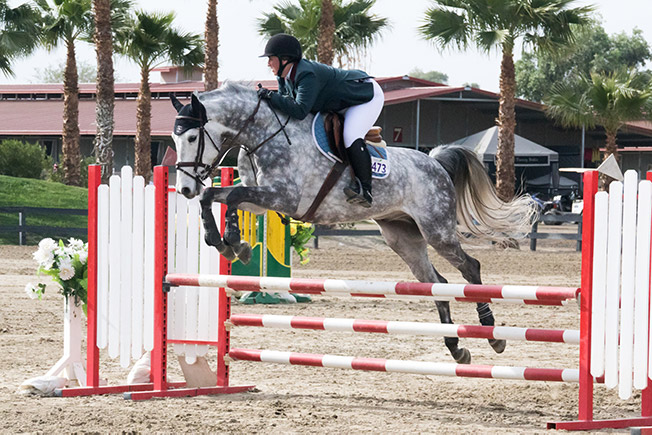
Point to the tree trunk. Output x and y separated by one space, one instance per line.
325 44
70 148
212 47
105 100
142 146
611 145
505 175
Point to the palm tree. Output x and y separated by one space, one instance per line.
211 35
67 21
107 14
609 100
356 28
543 24
19 33
149 40
325 49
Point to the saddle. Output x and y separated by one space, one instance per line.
334 127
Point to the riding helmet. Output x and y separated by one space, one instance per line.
284 45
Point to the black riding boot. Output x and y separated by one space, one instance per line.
359 191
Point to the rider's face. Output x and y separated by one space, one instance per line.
274 64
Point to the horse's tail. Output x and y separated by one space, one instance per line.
480 212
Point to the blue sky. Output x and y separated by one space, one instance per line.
400 50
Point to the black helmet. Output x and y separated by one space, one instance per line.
283 44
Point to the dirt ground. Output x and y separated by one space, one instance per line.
294 399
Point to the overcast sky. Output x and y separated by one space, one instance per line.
400 50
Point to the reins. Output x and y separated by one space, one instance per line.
227 144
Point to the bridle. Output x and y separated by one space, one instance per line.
202 170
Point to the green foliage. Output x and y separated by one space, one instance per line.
356 28
433 76
593 52
20 159
19 33
56 173
150 38
609 100
300 235
496 24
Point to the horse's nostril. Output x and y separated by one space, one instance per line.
185 191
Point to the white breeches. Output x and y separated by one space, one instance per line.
359 119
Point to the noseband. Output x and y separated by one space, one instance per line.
201 171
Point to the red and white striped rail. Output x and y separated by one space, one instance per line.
400 366
460 292
411 328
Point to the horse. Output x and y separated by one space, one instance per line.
437 200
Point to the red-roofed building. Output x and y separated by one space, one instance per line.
418 114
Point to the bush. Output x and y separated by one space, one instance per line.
54 172
20 159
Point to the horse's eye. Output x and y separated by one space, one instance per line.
192 138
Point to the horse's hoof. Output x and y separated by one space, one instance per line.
227 252
498 345
244 253
463 357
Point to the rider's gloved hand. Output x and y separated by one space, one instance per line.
264 93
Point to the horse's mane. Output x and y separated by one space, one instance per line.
234 89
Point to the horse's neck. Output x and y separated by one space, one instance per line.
281 156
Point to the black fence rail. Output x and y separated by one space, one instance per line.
321 230
575 218
534 235
25 213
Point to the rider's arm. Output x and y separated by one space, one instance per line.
300 106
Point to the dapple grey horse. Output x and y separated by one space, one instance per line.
425 200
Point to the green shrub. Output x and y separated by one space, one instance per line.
54 172
20 159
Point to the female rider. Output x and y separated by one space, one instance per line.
309 87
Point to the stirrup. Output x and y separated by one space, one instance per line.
356 194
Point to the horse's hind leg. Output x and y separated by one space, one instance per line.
404 238
452 251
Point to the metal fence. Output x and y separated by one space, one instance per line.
23 228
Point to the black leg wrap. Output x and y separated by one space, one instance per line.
213 236
485 315
232 229
487 319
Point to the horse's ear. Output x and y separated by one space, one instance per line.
198 108
176 103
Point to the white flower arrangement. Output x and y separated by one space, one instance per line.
66 264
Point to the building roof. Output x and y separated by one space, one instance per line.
44 104
485 144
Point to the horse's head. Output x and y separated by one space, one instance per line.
195 160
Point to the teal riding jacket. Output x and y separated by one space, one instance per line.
313 87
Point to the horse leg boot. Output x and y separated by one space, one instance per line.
212 234
359 191
487 319
232 236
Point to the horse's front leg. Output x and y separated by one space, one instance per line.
212 233
261 197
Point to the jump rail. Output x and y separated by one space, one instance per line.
376 288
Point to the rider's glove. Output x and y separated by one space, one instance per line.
264 94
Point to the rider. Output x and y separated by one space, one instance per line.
310 87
